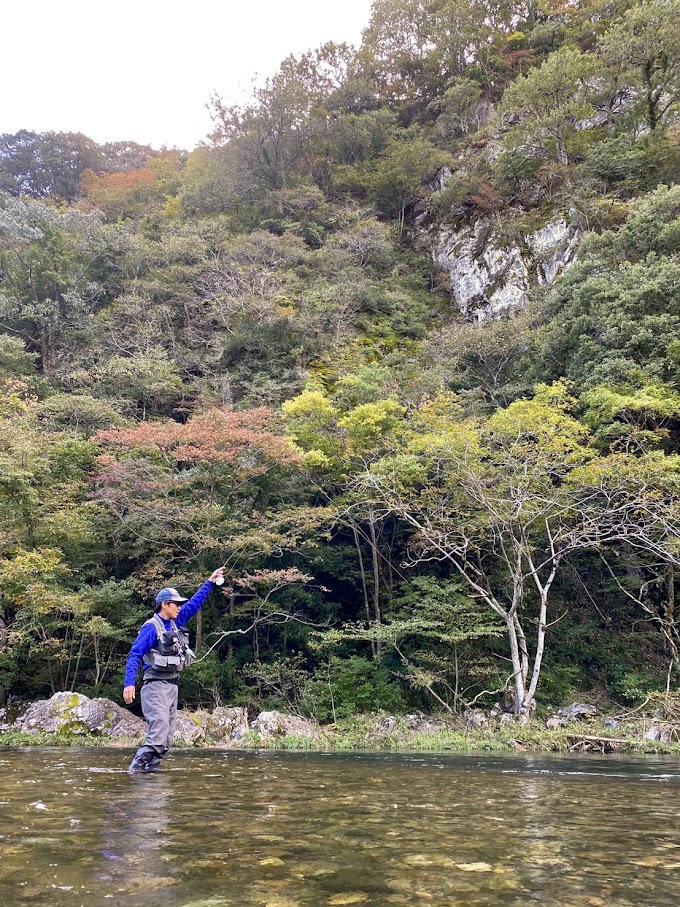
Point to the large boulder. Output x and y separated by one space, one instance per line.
226 726
269 725
73 714
189 729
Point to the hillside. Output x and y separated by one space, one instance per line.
398 345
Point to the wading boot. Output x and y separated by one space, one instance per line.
144 766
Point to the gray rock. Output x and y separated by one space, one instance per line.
420 724
660 733
554 723
441 178
226 725
476 718
73 714
489 274
190 728
102 716
389 724
612 723
577 712
276 724
552 247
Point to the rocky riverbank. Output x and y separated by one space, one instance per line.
71 718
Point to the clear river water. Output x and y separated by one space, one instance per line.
277 829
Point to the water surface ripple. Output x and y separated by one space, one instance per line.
216 829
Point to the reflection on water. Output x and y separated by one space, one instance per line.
284 829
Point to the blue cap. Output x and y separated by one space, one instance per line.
169 595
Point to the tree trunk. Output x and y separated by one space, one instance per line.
376 578
516 659
538 658
364 586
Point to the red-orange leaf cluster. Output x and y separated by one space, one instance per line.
218 435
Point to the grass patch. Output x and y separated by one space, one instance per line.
373 732
43 738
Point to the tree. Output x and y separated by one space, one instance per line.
400 176
414 49
546 105
190 486
49 262
506 500
641 52
270 136
614 315
487 358
46 164
427 623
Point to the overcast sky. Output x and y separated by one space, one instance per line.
144 70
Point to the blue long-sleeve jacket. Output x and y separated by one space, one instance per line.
147 636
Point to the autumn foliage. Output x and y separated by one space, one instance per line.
215 436
119 194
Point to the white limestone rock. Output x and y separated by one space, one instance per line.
489 274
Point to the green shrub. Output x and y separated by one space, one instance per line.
350 686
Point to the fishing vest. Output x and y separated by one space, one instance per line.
171 654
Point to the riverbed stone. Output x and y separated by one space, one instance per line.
269 725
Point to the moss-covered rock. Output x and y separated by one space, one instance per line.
72 715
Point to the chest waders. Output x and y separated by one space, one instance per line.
162 666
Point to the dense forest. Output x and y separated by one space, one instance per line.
247 354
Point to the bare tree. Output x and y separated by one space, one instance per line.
507 501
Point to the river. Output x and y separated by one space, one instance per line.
273 829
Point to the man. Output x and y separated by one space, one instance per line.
163 648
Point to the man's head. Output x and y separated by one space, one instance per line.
168 602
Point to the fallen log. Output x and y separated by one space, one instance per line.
584 743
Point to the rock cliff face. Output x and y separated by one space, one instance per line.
490 274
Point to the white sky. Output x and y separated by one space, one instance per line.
143 70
